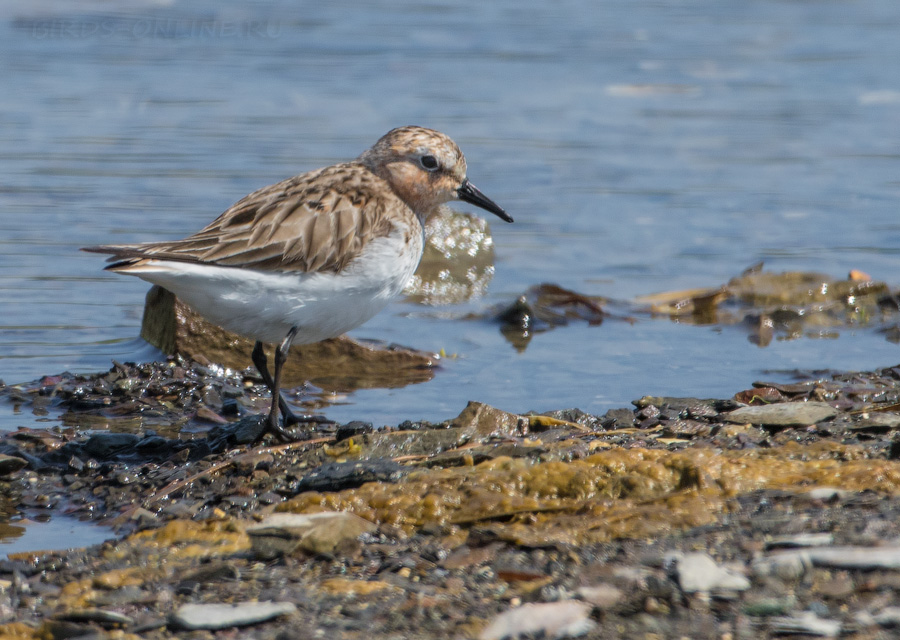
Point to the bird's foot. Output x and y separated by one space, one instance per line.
279 428
274 427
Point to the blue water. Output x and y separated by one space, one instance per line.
641 147
57 532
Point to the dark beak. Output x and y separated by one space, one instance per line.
468 192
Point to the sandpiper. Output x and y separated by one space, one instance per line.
313 256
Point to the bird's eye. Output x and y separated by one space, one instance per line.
429 163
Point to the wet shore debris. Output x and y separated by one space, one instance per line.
773 512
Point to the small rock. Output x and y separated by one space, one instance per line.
11 464
888 617
240 502
864 619
100 616
783 414
213 572
463 557
788 566
284 533
353 429
564 619
64 629
618 419
106 445
766 607
142 515
838 587
602 596
846 557
697 572
124 595
801 540
337 476
247 463
222 616
881 421
827 494
806 623
480 420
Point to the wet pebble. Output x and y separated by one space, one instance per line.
11 464
784 414
807 623
885 557
246 463
284 533
801 540
564 619
100 616
602 596
106 445
888 617
223 616
697 572
336 476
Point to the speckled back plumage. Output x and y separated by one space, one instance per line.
321 220
317 221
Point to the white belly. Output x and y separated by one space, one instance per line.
264 305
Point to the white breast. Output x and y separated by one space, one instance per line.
264 305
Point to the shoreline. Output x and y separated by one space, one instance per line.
736 517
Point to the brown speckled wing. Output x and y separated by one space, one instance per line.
317 221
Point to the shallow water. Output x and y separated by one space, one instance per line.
55 533
641 147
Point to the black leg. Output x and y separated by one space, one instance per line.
281 352
258 356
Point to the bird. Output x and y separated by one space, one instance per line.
313 256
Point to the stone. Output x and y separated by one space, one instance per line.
878 422
827 494
806 623
563 619
247 463
846 557
105 445
773 606
801 540
337 476
602 596
284 533
837 587
787 566
697 572
480 420
888 617
100 616
783 414
11 464
222 616
841 557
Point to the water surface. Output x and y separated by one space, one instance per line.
641 147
